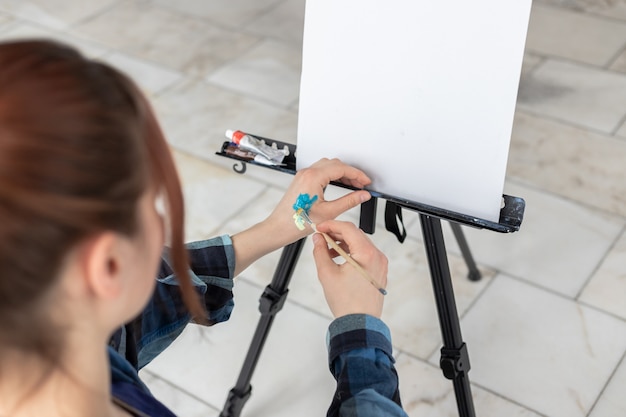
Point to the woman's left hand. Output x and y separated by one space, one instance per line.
279 228
313 181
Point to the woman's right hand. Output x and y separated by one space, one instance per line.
345 289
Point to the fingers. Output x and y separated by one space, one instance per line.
335 170
351 236
336 207
348 286
323 258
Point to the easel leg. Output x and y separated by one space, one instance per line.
271 302
474 273
454 360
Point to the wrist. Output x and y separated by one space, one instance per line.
282 230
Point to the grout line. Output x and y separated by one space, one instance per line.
563 296
614 58
571 61
504 397
288 107
537 286
536 188
233 59
608 381
497 394
600 310
599 263
582 11
498 271
542 61
462 315
479 295
263 12
94 15
621 123
590 129
211 21
164 92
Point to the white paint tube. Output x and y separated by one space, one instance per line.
250 143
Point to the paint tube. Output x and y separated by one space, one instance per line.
250 143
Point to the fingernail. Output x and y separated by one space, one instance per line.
316 237
365 197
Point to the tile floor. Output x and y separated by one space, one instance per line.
546 327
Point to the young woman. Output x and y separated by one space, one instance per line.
88 193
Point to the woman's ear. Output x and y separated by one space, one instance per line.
102 263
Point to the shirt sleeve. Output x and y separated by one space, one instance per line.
361 360
212 266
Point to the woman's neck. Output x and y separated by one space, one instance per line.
78 385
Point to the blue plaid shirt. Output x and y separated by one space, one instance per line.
360 353
361 360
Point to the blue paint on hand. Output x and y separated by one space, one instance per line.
304 202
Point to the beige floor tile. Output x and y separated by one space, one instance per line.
572 35
151 78
615 9
206 187
621 132
574 163
285 22
613 402
538 349
180 402
196 115
4 19
56 14
558 247
410 309
28 31
236 13
576 94
607 288
426 393
175 41
270 72
530 62
620 63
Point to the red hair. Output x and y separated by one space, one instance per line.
79 146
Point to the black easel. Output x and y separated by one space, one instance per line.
454 361
271 302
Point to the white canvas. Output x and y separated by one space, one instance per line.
420 94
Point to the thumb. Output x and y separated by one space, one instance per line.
323 261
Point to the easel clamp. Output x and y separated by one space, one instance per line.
272 302
454 361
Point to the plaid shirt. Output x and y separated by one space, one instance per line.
212 264
361 360
359 346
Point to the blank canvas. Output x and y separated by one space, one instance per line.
419 94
